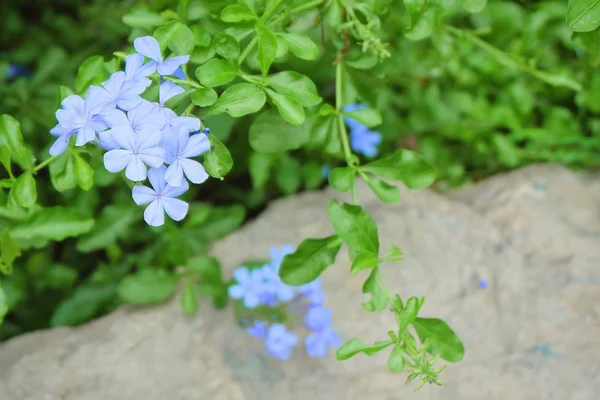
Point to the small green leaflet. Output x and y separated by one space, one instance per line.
441 338
355 226
355 346
583 15
267 47
310 259
148 286
239 100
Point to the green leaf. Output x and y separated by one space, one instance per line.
508 153
394 255
3 305
379 298
291 111
203 97
342 178
239 100
220 222
583 15
260 165
237 13
355 346
62 172
473 6
301 45
403 165
310 259
5 158
85 303
269 133
295 86
364 261
90 72
441 338
12 139
53 223
83 172
148 286
112 224
288 174
366 116
217 160
423 19
384 191
313 175
216 73
143 18
24 190
226 46
64 92
209 268
395 362
179 38
9 251
267 47
355 226
591 42
188 299
408 313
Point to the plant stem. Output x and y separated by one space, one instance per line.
341 124
184 82
43 164
307 6
514 63
248 49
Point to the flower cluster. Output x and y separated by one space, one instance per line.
362 139
270 303
140 135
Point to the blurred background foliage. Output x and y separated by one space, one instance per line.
458 97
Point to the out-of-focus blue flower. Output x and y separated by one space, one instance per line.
80 117
15 70
313 291
149 47
258 330
279 342
362 139
318 318
317 343
483 283
161 198
135 152
123 94
325 171
179 151
278 254
250 286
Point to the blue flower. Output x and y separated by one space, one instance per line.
166 91
362 139
123 94
250 287
80 117
325 171
15 70
135 151
317 343
161 198
258 330
149 47
318 318
138 72
278 254
274 290
279 342
179 151
313 291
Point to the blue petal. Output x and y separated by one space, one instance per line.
167 91
194 171
175 208
117 160
148 46
60 145
136 169
154 214
143 195
170 65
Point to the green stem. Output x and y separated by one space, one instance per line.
188 110
248 49
341 124
307 6
43 164
184 82
510 62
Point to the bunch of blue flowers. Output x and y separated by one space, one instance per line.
362 139
146 139
268 305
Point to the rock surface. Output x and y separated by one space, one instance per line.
532 334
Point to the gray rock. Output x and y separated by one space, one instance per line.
532 334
